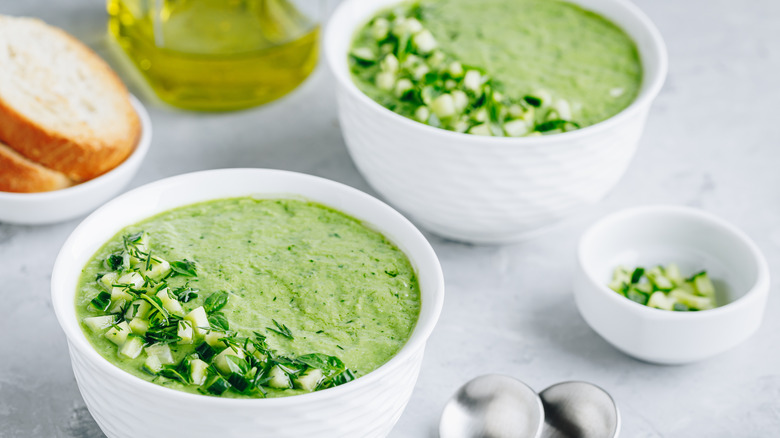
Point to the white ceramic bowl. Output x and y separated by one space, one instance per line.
65 204
128 407
695 241
488 189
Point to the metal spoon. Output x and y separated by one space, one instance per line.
579 410
496 406
493 406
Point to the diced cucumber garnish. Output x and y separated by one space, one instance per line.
152 365
156 269
257 354
121 293
217 386
139 326
221 361
636 296
133 346
620 279
100 323
138 309
139 249
198 371
665 288
278 378
656 276
199 320
206 351
162 351
692 301
107 281
703 285
101 302
185 332
309 379
170 302
659 300
118 333
133 279
214 338
672 272
239 382
152 313
117 306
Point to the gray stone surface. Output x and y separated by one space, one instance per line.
712 141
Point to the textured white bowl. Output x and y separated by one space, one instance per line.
695 241
488 189
65 204
128 407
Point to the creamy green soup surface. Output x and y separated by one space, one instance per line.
308 280
582 67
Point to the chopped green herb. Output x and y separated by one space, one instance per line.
216 302
184 268
186 294
218 321
281 329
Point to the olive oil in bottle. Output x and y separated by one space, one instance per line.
217 55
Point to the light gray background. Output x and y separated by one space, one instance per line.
711 142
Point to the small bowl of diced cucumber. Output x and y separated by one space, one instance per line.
670 284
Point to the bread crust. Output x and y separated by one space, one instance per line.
86 155
20 175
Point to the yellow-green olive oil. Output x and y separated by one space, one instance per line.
217 55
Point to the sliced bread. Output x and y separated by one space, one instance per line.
18 174
61 105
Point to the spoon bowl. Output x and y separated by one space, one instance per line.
579 410
493 406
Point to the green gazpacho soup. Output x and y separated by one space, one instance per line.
248 298
497 67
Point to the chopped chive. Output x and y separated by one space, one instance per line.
533 101
281 329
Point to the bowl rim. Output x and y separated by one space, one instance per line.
646 96
416 342
759 286
134 159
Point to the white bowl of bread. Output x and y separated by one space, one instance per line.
71 136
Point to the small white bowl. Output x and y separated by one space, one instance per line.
61 205
489 189
695 241
125 406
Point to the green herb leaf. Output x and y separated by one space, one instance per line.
281 329
343 377
171 372
186 268
216 302
237 365
185 294
157 305
163 334
218 321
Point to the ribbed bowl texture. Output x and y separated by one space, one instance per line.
125 406
487 189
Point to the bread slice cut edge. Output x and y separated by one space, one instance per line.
20 175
